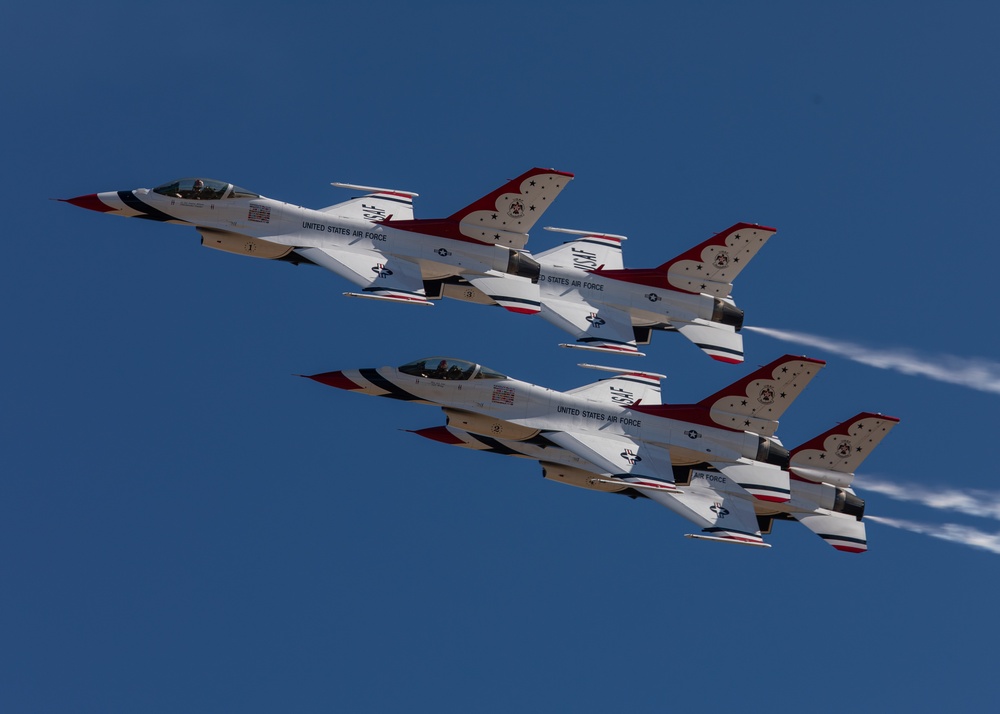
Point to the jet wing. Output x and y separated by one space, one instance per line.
628 387
843 532
380 276
723 515
509 291
642 465
604 328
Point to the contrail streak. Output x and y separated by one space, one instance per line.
972 502
980 374
953 532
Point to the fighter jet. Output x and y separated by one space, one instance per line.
371 240
586 290
717 462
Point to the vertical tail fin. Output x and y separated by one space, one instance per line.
502 217
756 402
710 267
834 456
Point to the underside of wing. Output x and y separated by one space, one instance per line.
379 276
723 514
603 328
638 463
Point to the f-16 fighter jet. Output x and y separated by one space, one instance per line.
586 291
372 241
718 462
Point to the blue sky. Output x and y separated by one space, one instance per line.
189 527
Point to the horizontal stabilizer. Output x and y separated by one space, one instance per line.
509 291
843 532
720 342
765 482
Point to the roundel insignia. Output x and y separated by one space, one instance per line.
381 271
630 456
594 320
652 297
719 510
516 208
443 252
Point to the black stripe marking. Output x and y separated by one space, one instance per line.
761 487
595 242
646 382
848 539
526 301
732 530
145 210
382 383
705 346
495 446
393 290
605 340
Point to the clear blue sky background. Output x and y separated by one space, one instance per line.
188 527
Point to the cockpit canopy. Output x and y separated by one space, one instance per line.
449 368
198 189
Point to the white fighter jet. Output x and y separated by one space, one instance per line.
586 290
718 462
372 240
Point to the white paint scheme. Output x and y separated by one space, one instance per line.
818 506
585 290
371 240
724 476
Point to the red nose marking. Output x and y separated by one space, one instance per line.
90 201
438 433
334 379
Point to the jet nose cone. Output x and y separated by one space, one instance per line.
91 202
334 379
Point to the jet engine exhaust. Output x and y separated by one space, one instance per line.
523 265
727 314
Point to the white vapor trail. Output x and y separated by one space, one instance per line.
953 532
980 374
972 502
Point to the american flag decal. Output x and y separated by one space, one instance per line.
503 394
260 214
